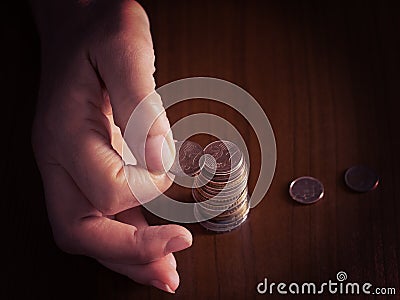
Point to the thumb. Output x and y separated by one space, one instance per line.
125 63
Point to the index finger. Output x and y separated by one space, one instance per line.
80 229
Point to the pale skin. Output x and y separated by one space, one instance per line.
97 65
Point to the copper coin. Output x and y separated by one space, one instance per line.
361 179
227 155
219 185
214 225
229 216
222 179
306 190
199 196
187 158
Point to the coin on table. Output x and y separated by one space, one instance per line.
187 158
306 190
361 179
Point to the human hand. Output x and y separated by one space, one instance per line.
97 65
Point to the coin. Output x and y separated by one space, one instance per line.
187 158
220 188
306 190
217 205
227 155
222 179
361 179
223 226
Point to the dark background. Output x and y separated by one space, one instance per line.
327 75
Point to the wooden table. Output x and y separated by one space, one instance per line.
327 75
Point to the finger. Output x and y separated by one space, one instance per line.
115 131
171 260
87 154
112 186
114 241
79 229
148 135
125 62
119 144
135 217
126 65
160 273
69 213
102 176
132 216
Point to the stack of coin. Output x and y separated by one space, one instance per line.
221 187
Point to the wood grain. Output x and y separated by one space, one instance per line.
327 75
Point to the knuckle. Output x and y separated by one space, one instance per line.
114 195
108 210
107 203
133 10
162 181
110 198
140 240
142 53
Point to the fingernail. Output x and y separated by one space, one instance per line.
162 286
177 243
173 263
168 155
170 140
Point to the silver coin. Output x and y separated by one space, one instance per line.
361 179
187 158
225 226
306 190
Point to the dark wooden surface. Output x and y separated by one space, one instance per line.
327 75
